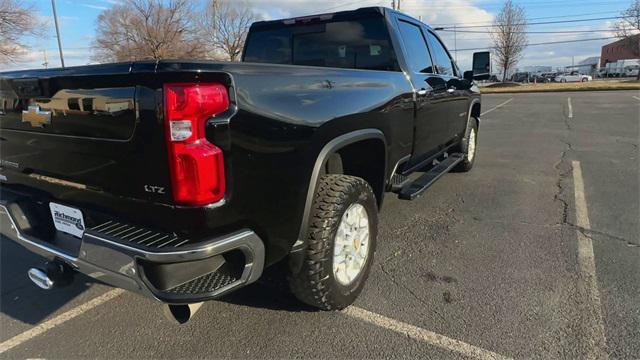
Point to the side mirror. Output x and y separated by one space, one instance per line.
468 75
481 65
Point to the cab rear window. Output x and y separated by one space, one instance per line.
354 44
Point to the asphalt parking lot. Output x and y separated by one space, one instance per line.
533 254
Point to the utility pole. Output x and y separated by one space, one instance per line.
398 5
55 20
455 42
638 77
46 60
393 4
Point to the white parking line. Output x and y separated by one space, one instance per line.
60 319
420 334
587 267
636 97
570 109
497 107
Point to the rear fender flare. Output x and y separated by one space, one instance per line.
330 148
470 117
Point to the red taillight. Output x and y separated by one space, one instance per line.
196 165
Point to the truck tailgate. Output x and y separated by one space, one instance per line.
96 132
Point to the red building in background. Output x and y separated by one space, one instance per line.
619 50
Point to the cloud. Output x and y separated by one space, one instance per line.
561 55
441 11
64 21
91 6
33 59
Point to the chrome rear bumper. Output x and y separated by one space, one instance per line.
125 266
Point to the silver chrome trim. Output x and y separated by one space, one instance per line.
34 246
115 263
226 243
40 278
401 161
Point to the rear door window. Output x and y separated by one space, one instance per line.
441 57
417 52
354 44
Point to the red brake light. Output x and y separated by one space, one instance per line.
196 165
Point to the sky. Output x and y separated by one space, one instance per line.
78 20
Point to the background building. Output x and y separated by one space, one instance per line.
617 51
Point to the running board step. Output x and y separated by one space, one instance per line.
398 182
414 189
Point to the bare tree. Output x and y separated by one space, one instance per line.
509 36
628 28
147 29
17 20
224 26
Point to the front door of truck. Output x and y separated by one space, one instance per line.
432 113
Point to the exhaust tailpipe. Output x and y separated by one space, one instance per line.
55 274
180 314
40 278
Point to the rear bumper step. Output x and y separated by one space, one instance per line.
137 236
175 272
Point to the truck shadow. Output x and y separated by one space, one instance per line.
270 292
20 299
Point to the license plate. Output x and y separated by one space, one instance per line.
67 219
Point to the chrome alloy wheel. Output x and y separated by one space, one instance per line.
351 247
471 151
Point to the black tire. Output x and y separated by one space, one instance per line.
467 162
315 283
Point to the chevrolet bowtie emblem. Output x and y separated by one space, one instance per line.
36 117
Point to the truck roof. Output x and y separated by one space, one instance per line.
347 14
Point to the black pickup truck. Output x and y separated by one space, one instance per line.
183 180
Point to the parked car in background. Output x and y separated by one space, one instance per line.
542 77
549 77
622 68
612 70
494 78
573 76
520 77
